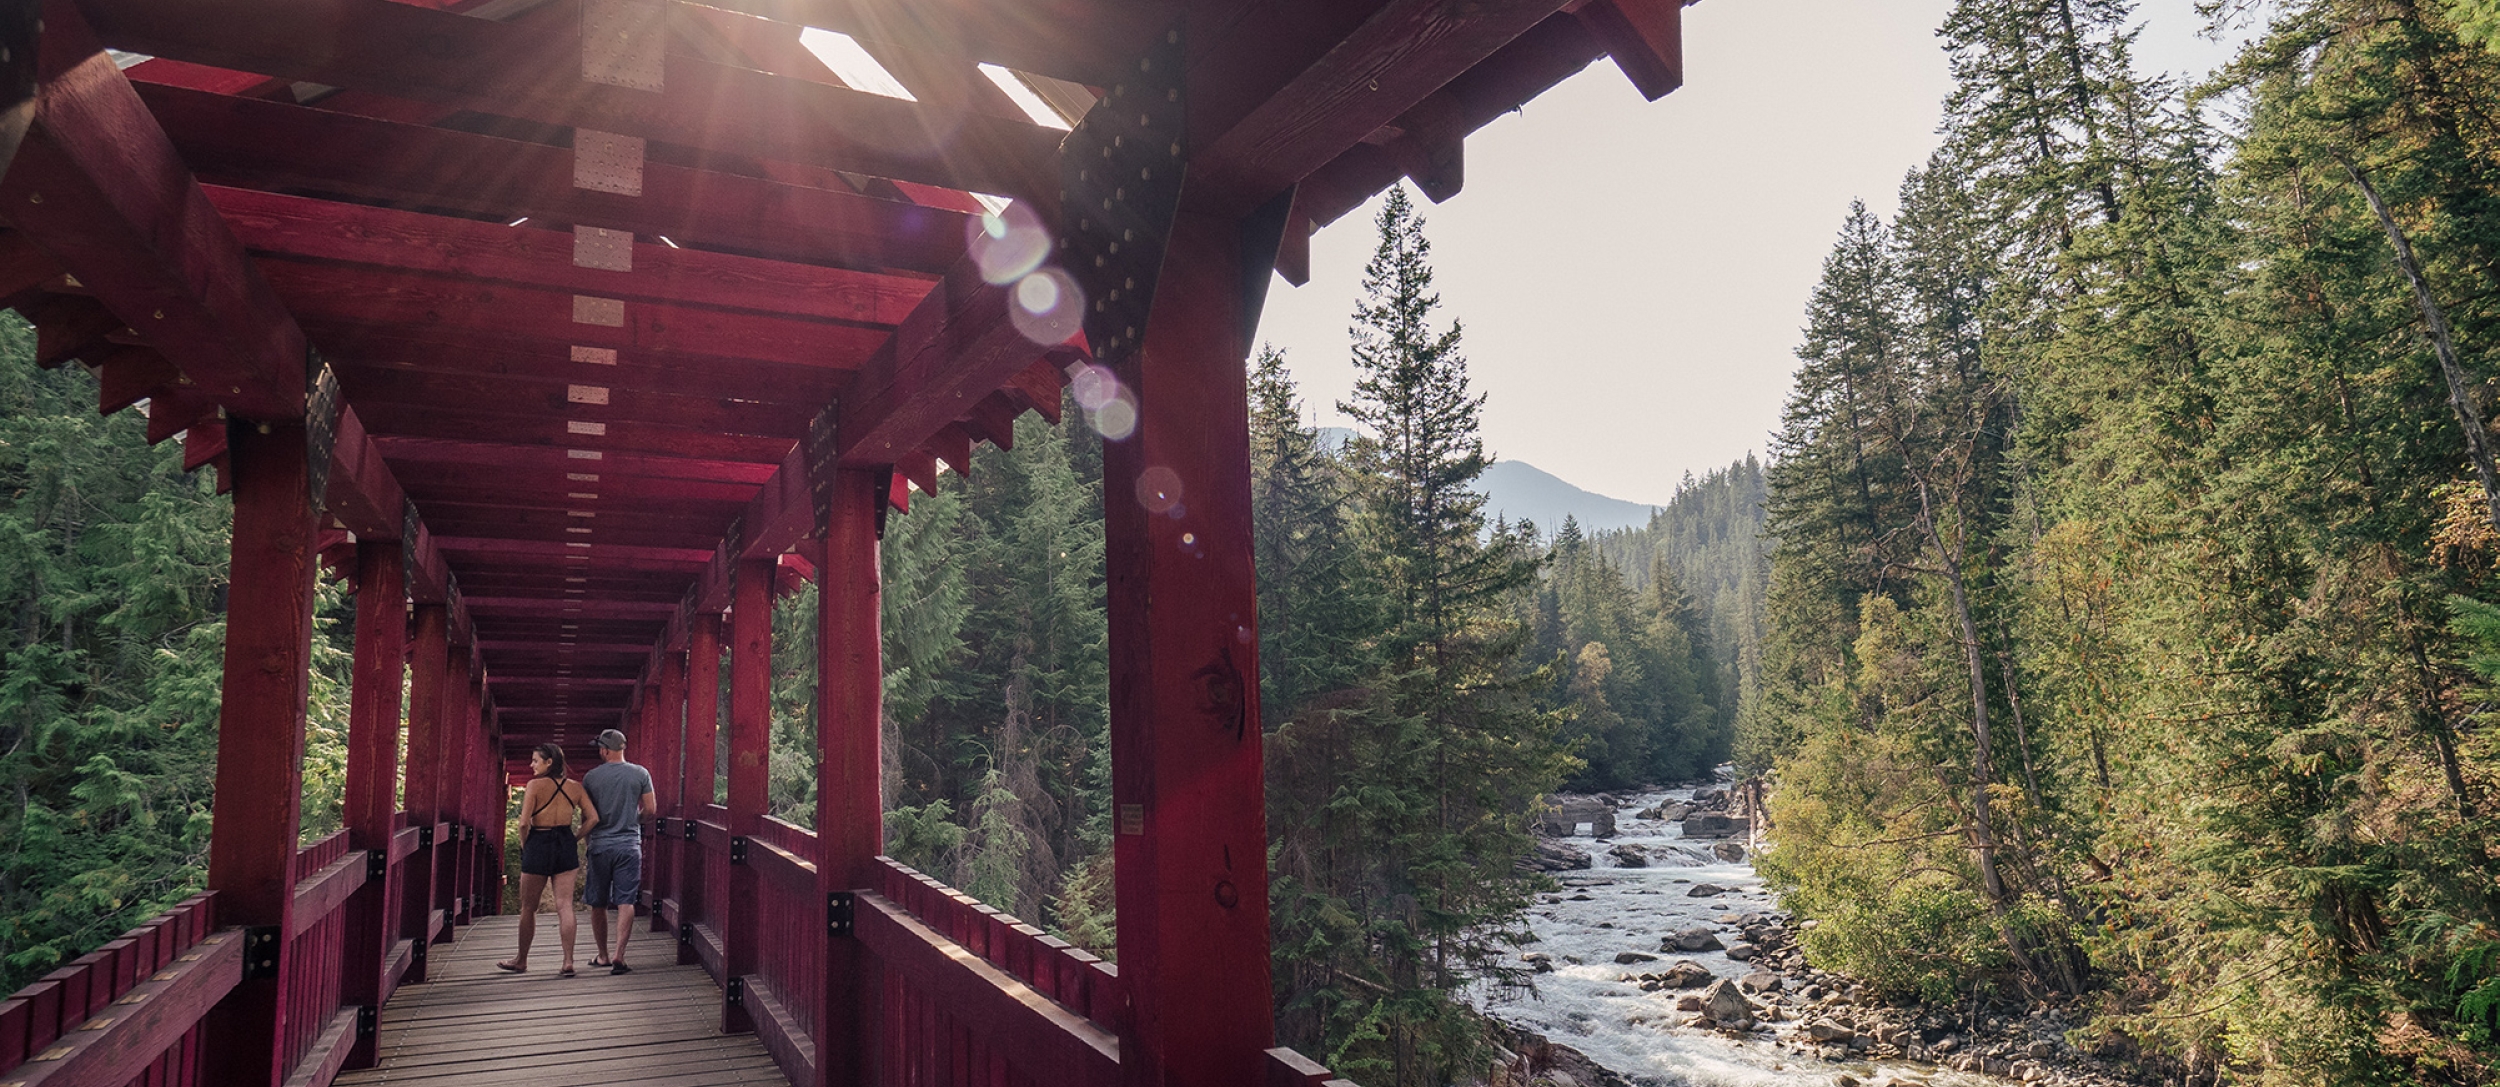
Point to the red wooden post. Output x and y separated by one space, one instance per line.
491 797
667 744
260 740
372 763
750 753
850 812
700 766
459 721
1189 815
429 680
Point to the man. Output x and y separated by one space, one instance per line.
621 791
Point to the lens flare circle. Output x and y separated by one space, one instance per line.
1007 245
1047 307
1116 419
1158 489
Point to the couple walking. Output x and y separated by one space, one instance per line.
614 798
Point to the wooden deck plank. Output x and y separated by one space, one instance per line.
476 1026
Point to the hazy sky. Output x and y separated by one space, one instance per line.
1632 275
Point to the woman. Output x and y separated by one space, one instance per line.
548 807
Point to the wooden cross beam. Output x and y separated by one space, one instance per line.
533 70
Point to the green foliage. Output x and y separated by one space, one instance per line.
112 562
2124 632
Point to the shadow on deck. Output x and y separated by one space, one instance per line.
474 1025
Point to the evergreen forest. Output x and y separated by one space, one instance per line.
2130 631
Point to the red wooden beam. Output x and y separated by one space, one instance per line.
958 347
260 740
1646 38
1327 103
694 333
420 394
850 835
750 755
557 366
264 144
429 662
582 431
298 227
1186 781
541 459
533 72
97 186
1082 41
372 763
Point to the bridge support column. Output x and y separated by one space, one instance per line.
492 798
850 810
667 744
750 767
701 767
260 738
1189 820
459 721
372 766
429 680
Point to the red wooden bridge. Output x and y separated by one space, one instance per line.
571 330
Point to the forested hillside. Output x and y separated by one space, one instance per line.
1709 538
2135 532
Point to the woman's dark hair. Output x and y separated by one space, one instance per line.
555 761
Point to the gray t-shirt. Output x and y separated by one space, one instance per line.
617 789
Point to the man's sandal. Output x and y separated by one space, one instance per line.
510 967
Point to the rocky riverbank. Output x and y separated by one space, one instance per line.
1664 962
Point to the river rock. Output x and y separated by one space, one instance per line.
1627 958
1740 951
1689 1002
1760 981
1629 856
1824 1030
1705 890
1553 856
1725 1005
1729 852
1692 939
1686 974
1712 825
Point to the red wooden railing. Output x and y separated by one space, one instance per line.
130 1011
966 994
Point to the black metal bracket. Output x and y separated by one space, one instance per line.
377 863
260 952
688 824
416 950
321 426
425 836
685 933
1120 186
368 1021
838 913
738 992
737 850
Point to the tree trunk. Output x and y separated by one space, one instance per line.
2477 443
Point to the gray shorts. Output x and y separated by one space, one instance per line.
614 878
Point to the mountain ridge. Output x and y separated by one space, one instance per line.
1516 490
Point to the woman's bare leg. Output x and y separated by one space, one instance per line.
531 887
564 912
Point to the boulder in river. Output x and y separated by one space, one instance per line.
1760 981
1687 974
1553 856
1705 890
1729 852
1824 1030
1627 958
1741 951
1629 856
1725 1005
1711 825
1692 939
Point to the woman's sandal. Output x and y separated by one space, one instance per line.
565 973
509 967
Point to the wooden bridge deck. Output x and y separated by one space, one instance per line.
474 1026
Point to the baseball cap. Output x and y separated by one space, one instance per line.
612 740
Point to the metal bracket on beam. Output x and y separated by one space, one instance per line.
688 824
838 906
738 992
425 836
416 950
377 863
737 850
368 1021
1119 187
260 952
685 932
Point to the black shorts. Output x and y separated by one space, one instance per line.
548 851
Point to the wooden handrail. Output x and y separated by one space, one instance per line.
108 1017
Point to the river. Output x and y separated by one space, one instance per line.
1606 910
